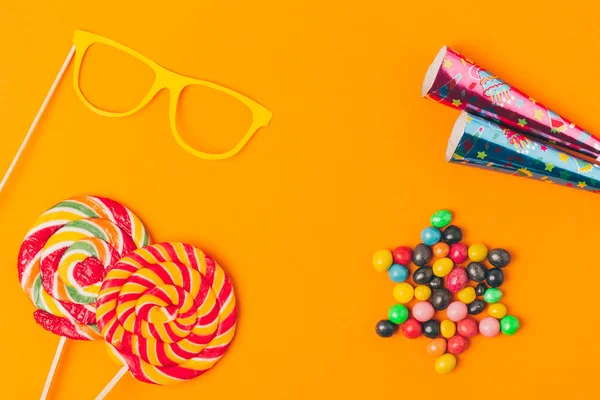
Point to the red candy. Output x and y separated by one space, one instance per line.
412 328
402 255
457 279
467 327
457 344
458 253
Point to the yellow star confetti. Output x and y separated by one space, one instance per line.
447 64
522 122
582 184
481 154
563 157
549 167
538 114
456 103
469 119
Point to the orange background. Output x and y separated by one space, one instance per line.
352 161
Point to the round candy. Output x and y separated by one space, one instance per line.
382 260
497 310
168 311
431 328
499 258
476 271
480 289
441 218
398 313
489 327
478 252
422 275
385 328
65 256
431 236
398 273
436 282
447 328
411 328
495 277
440 298
458 253
467 327
442 267
436 347
421 255
467 295
457 279
457 311
402 255
457 344
492 295
403 292
452 234
441 249
476 307
509 325
422 292
423 311
445 364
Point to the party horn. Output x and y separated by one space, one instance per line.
458 82
482 143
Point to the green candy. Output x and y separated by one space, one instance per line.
492 295
441 218
509 325
398 313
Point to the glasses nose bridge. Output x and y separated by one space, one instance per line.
172 81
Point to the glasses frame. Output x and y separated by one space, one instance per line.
175 83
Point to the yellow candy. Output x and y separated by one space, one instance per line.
382 260
447 328
497 310
467 295
442 267
445 363
422 292
403 292
478 252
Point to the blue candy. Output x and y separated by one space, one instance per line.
398 273
431 236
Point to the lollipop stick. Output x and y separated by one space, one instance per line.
112 383
37 117
59 350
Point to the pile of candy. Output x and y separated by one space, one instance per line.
459 265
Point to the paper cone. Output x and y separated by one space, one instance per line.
458 82
481 143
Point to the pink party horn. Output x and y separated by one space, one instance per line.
456 81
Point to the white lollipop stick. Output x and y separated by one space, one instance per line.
59 350
112 382
38 116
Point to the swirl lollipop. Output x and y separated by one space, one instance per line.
64 258
168 313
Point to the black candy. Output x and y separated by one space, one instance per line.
431 328
422 254
436 282
476 271
386 328
440 298
423 275
495 277
499 258
476 307
452 234
480 289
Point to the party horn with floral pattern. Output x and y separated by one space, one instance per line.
482 143
458 82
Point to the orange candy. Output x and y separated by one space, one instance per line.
441 249
436 347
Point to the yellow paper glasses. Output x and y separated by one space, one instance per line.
175 83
